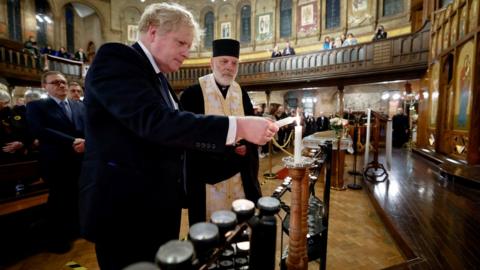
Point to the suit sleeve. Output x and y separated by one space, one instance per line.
41 130
123 82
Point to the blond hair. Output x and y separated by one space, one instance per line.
169 17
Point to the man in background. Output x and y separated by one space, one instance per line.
58 124
75 91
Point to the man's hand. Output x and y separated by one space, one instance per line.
79 145
241 150
256 130
12 147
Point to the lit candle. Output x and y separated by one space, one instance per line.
298 142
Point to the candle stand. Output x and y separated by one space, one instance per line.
297 250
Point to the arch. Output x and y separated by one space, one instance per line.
325 59
361 54
339 59
57 7
331 57
354 55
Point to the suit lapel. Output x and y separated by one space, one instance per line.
57 111
154 76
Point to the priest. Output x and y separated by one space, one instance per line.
214 181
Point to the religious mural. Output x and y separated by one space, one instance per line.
453 30
225 29
473 16
446 35
434 90
264 27
358 12
463 88
462 27
308 19
132 31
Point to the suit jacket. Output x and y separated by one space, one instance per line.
131 183
212 168
80 56
56 133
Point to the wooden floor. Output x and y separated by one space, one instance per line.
434 221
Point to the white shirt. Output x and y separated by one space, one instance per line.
232 127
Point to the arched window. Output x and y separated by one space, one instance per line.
42 10
70 28
285 18
392 7
209 21
245 32
332 14
14 21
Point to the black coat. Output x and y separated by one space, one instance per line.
59 163
131 184
212 168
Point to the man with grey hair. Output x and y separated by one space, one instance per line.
131 187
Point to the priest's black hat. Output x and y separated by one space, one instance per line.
226 47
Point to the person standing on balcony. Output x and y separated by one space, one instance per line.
288 50
380 34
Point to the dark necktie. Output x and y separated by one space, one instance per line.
66 109
165 91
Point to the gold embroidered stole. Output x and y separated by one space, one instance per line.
221 195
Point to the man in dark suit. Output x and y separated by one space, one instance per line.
323 123
234 173
80 55
131 186
58 124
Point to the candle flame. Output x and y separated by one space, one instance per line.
297 119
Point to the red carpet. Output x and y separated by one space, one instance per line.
282 174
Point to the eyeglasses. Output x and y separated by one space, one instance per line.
57 82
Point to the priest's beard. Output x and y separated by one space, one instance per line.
225 78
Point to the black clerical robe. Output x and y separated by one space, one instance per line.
211 168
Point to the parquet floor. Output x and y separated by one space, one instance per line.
357 237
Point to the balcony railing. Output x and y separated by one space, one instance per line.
20 67
367 60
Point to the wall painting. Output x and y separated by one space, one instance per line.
462 27
358 12
446 35
225 29
463 87
308 19
434 92
453 30
264 26
132 31
472 24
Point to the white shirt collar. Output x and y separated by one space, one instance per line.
150 57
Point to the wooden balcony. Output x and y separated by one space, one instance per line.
19 67
402 57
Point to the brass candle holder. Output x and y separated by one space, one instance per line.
297 249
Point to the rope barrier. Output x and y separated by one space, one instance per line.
281 147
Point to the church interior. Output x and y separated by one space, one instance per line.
410 200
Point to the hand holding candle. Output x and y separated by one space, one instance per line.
297 157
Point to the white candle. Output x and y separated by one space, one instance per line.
298 142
